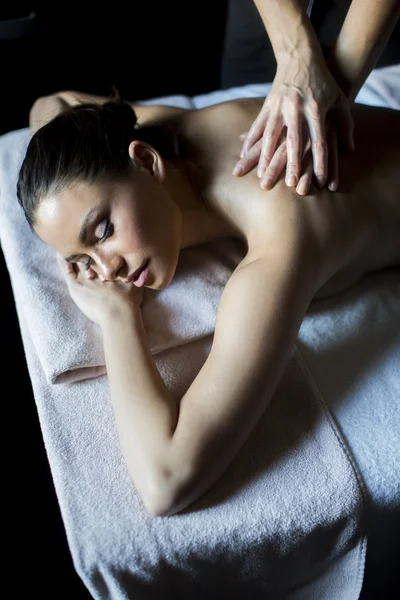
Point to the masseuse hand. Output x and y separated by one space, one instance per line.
303 94
98 299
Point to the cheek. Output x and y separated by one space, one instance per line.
129 232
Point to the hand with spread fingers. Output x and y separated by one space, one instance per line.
304 98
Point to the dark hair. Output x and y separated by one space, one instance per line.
87 142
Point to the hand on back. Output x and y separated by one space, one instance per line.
304 117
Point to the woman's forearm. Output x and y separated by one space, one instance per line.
46 108
145 411
289 29
364 34
43 110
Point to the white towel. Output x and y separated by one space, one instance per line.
286 520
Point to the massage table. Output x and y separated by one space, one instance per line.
310 506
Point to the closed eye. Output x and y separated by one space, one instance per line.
107 229
107 232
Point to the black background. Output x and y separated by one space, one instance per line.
145 49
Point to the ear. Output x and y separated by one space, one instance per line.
148 158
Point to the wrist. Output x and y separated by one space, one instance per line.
301 44
121 316
289 29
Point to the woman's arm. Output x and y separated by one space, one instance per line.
363 37
46 108
174 455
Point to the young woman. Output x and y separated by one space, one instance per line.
118 199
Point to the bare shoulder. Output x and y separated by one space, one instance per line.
221 122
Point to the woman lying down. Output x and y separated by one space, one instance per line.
119 198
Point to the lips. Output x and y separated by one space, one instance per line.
135 276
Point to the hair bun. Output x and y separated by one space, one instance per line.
118 110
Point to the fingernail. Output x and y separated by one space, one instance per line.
266 183
291 180
260 172
302 188
333 186
321 181
238 170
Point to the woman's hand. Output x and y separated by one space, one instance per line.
99 299
303 94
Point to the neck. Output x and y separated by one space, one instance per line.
200 224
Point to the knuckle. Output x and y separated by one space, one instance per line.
293 138
291 167
320 145
268 135
313 108
293 102
266 156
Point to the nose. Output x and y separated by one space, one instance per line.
109 267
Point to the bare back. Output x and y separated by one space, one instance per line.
355 229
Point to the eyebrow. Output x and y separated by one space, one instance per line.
88 220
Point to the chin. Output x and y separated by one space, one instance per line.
167 279
160 283
165 283
163 274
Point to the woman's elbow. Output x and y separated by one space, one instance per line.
165 490
172 499
160 506
160 510
168 498
157 494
